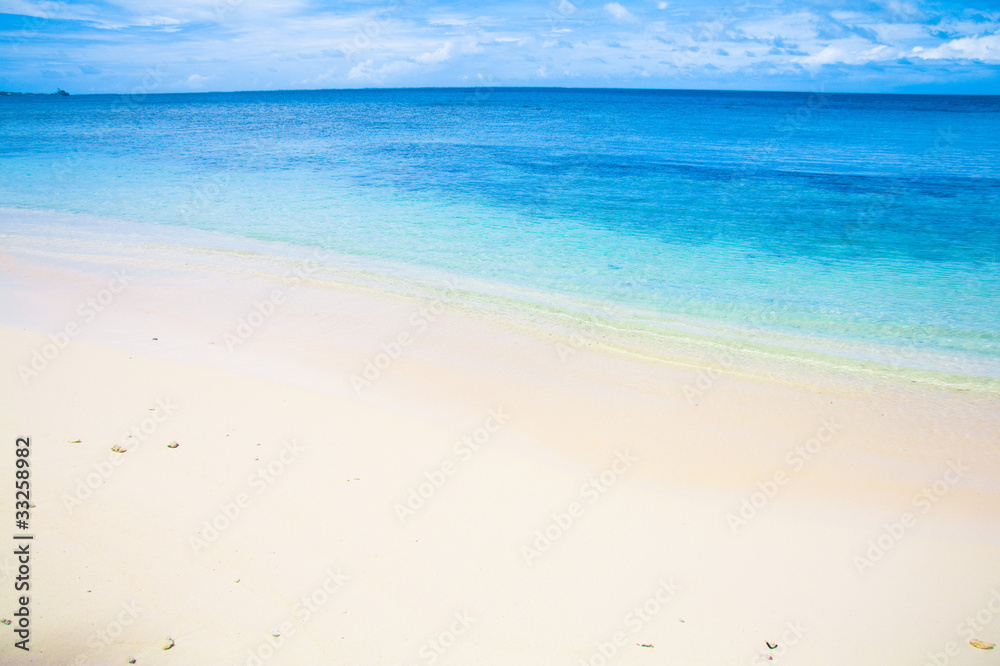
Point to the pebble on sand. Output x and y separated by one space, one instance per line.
118 449
169 644
982 645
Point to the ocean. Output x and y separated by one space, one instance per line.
858 226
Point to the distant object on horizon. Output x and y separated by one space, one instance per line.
59 91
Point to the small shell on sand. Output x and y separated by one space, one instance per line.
172 445
169 644
982 645
5 621
118 449
74 441
131 660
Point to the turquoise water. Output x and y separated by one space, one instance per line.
852 223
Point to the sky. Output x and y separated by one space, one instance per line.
160 46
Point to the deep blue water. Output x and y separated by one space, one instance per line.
872 220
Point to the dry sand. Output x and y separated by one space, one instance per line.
503 491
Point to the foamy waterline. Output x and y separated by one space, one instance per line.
574 323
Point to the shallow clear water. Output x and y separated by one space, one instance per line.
853 223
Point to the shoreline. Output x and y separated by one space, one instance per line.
548 489
576 323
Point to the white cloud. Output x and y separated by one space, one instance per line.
48 10
101 24
899 33
835 55
367 71
845 16
197 80
362 70
795 27
287 42
984 49
617 10
158 20
322 78
440 55
450 19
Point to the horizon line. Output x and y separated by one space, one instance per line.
493 88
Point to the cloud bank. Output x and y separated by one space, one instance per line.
197 45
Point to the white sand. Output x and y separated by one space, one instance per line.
122 534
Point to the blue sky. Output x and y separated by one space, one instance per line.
201 45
